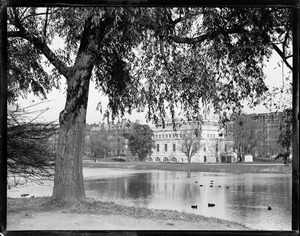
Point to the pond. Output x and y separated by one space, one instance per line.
242 198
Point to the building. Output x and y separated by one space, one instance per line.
114 129
269 124
213 143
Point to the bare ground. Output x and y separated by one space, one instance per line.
42 214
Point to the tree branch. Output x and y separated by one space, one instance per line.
39 44
14 34
280 53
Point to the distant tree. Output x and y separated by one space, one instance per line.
99 144
285 136
140 140
28 154
104 143
246 135
190 144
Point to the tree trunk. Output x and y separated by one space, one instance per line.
68 181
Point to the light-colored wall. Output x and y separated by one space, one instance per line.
209 139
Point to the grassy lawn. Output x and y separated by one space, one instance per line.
253 167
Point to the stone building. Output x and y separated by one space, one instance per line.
269 125
213 143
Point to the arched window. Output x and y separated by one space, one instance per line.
157 159
166 159
174 159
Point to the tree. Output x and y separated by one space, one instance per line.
106 142
190 144
285 136
99 144
218 67
140 140
28 155
246 135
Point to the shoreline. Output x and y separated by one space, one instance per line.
39 214
197 167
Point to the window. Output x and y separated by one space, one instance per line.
174 147
173 135
217 147
204 158
225 148
169 135
157 159
162 136
204 149
166 147
159 136
208 135
157 147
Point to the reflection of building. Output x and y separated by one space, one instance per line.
213 142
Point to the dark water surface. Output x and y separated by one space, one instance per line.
242 198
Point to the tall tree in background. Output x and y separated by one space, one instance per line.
140 140
246 135
99 144
191 58
285 136
106 142
189 144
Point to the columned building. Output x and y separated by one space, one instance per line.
213 142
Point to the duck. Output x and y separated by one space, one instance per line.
194 206
211 204
201 185
196 182
269 208
24 195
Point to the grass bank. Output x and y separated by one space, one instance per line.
41 212
255 167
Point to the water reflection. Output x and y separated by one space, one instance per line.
242 198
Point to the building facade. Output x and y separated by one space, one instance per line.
269 125
213 142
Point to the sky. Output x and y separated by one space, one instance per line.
56 99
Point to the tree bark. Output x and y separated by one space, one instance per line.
68 180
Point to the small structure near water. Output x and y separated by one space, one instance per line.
248 158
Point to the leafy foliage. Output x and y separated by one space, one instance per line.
105 142
140 140
285 136
196 59
246 135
